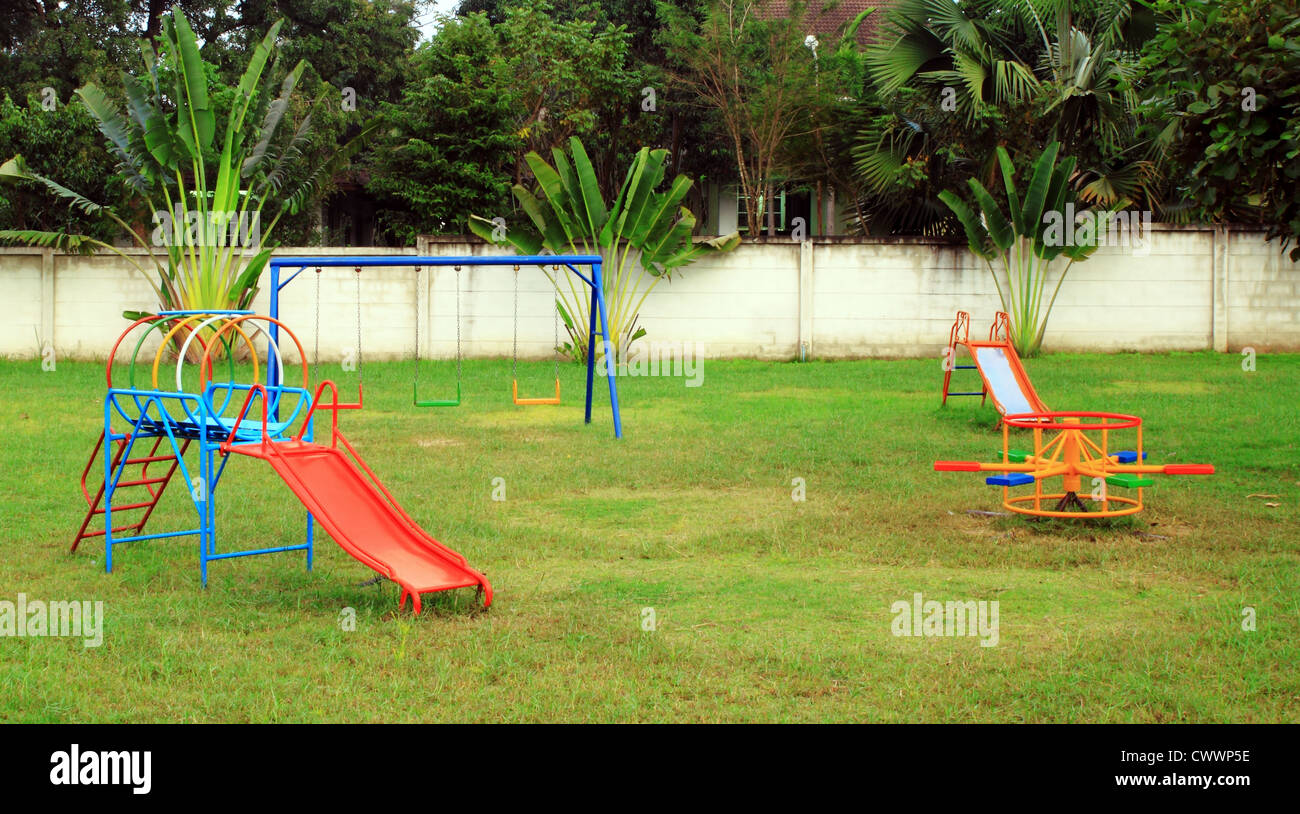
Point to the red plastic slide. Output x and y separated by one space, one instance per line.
365 520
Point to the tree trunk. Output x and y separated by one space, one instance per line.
153 26
770 204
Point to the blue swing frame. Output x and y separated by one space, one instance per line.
570 261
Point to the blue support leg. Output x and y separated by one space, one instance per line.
206 452
609 349
108 491
310 436
273 330
591 352
207 545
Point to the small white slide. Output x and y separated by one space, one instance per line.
1012 394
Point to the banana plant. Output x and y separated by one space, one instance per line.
209 243
643 237
1020 245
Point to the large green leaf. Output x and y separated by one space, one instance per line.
659 214
524 242
159 135
117 129
637 211
193 107
271 120
15 169
553 234
1032 211
677 238
59 241
999 228
557 196
612 230
1009 183
593 203
245 284
977 237
1056 198
150 126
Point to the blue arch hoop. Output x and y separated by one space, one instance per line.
570 261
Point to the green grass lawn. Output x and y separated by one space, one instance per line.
767 609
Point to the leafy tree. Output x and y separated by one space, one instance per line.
365 45
561 77
759 80
481 96
448 147
690 133
821 157
1226 102
62 141
64 45
353 43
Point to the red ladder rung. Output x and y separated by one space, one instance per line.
149 459
115 531
127 507
144 482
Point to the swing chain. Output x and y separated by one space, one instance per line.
514 348
315 361
358 270
555 321
458 331
417 329
416 383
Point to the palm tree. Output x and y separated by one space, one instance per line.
958 79
644 235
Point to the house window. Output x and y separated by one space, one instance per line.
778 210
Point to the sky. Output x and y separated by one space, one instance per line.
428 23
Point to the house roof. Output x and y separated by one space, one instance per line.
830 17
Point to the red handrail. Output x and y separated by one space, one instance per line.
333 407
243 411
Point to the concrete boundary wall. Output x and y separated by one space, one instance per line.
1197 288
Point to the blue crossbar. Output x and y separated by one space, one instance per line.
254 552
1128 456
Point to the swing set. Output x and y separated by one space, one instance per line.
572 263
